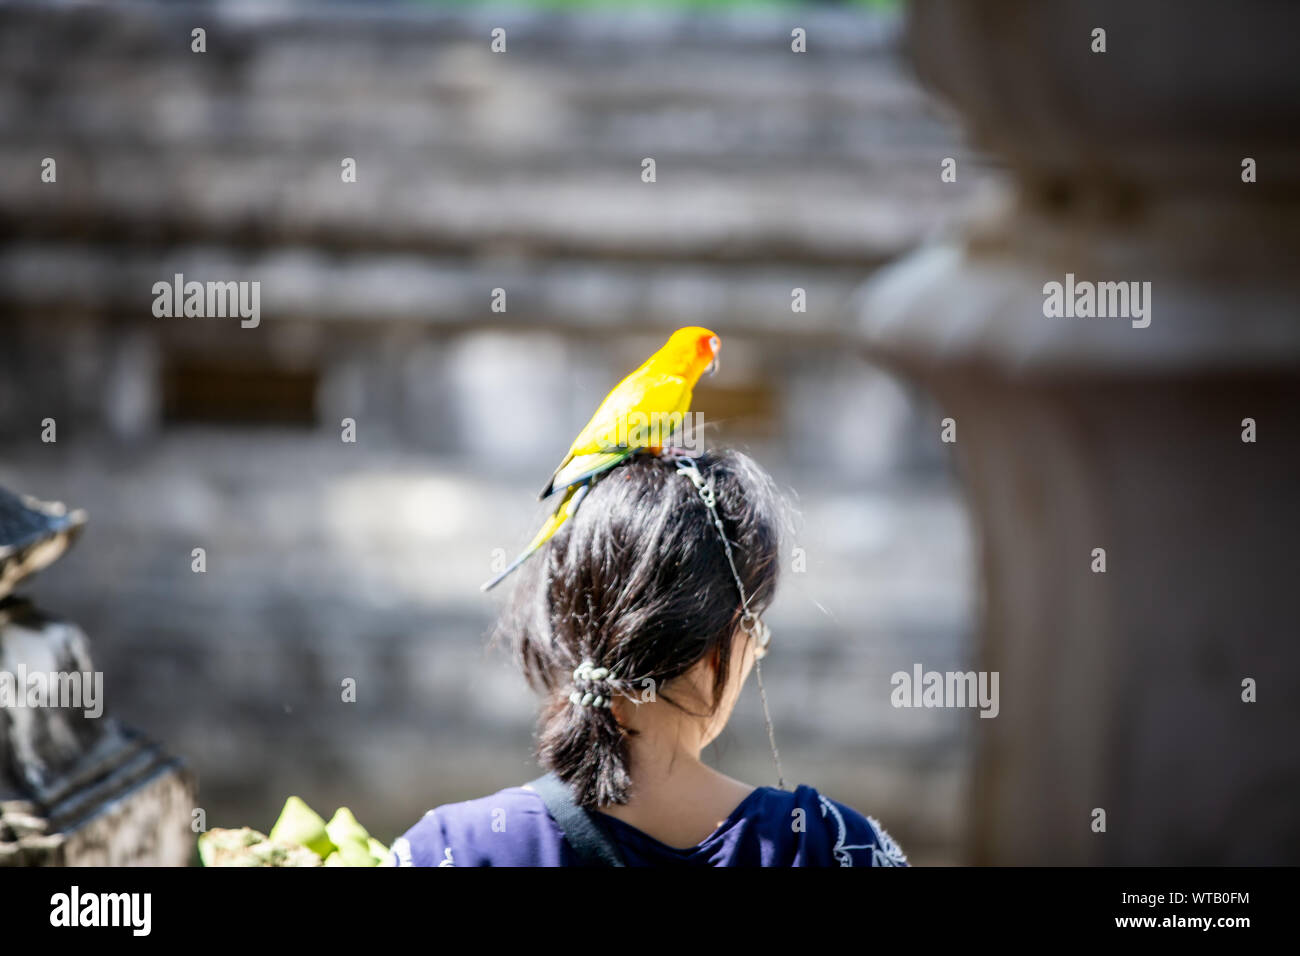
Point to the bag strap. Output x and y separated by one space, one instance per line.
586 836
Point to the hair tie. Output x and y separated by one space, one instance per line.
588 673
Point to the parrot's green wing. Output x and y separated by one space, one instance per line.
645 406
582 467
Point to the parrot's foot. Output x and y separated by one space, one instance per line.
675 453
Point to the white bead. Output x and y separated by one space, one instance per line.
587 698
600 673
598 702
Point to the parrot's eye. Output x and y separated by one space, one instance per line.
715 344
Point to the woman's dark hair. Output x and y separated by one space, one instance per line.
638 581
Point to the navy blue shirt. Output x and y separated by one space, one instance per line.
770 827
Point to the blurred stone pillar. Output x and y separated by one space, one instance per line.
1123 690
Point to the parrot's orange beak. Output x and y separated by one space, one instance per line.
715 344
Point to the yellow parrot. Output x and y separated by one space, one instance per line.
638 415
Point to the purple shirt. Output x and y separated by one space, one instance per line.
770 827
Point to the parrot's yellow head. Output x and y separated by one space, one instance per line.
694 349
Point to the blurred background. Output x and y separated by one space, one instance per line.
775 171
475 171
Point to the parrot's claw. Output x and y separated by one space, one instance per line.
675 453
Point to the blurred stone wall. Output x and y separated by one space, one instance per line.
475 171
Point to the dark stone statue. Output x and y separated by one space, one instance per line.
76 786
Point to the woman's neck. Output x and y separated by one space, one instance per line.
675 797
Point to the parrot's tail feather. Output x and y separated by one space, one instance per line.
489 585
565 510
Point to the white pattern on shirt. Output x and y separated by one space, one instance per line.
886 853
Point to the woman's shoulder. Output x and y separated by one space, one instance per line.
508 828
773 827
828 832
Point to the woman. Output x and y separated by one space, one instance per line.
639 626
